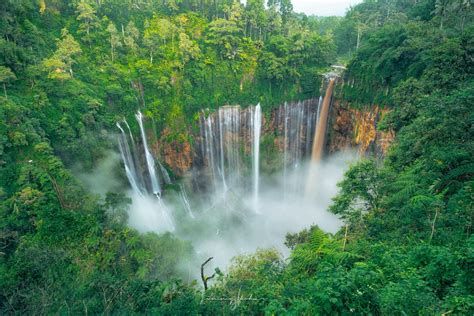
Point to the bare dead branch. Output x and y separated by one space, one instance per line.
205 278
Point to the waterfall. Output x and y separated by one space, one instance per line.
164 172
311 120
297 118
134 151
229 147
318 143
129 162
231 131
285 144
221 151
150 161
296 122
256 126
319 108
129 132
210 150
319 139
185 199
220 146
156 212
229 136
166 214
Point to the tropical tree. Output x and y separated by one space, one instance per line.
6 74
132 35
59 65
87 16
114 39
188 48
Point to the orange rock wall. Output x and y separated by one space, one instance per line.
358 128
175 154
350 128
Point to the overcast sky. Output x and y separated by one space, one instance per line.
323 7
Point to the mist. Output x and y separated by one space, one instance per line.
227 207
226 224
104 177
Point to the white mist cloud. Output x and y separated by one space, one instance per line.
149 214
227 225
103 178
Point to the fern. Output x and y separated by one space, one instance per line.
421 200
405 186
405 193
317 240
306 257
463 170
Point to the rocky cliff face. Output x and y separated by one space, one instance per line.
290 127
341 135
358 128
175 154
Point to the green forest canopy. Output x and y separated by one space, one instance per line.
70 69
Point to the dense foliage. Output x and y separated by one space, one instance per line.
70 69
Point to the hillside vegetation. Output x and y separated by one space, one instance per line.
70 69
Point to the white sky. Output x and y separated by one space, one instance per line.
323 7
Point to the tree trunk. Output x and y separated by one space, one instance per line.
358 38
112 51
345 239
433 224
203 277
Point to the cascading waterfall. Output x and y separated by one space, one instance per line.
185 199
227 182
241 178
150 161
228 131
229 137
129 162
319 109
318 143
129 132
297 121
256 126
209 148
164 172
220 146
285 148
128 152
319 139
311 121
166 215
224 135
134 151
